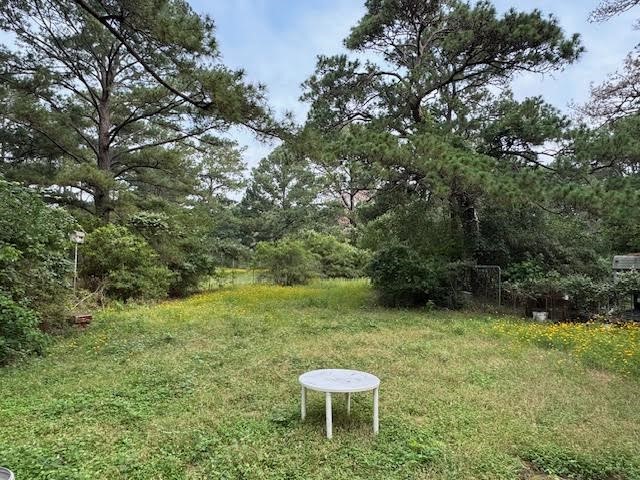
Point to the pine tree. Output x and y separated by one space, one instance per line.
439 62
85 116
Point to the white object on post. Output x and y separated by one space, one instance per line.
330 381
77 238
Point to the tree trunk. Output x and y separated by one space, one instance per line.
102 204
463 204
415 111
102 197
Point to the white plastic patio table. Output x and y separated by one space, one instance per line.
330 381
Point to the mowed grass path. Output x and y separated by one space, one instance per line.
206 388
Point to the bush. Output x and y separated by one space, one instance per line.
286 262
123 265
626 284
20 334
403 278
337 258
34 254
585 296
183 244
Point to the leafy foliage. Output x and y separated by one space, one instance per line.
123 265
337 258
20 334
286 262
468 158
184 243
527 241
101 115
34 269
403 278
34 253
116 110
587 297
281 197
626 284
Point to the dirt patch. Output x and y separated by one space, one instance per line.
530 472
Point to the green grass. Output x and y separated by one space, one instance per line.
610 347
229 277
206 388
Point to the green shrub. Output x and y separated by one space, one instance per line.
401 277
626 284
524 271
286 262
123 265
585 296
337 259
20 334
183 245
34 254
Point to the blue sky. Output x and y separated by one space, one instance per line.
277 41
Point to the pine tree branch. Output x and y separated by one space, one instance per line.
104 20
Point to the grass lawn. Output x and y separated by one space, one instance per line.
206 388
230 277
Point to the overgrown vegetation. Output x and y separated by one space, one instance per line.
461 170
404 278
207 388
416 165
286 262
34 268
337 258
309 254
20 334
123 265
395 150
121 124
586 298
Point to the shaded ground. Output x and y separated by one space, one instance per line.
207 388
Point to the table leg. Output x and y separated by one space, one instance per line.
348 403
375 411
328 415
303 404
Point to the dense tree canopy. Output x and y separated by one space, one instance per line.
414 146
440 64
86 119
117 111
281 197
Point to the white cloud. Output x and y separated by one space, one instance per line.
607 44
276 42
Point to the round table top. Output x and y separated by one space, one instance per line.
336 380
